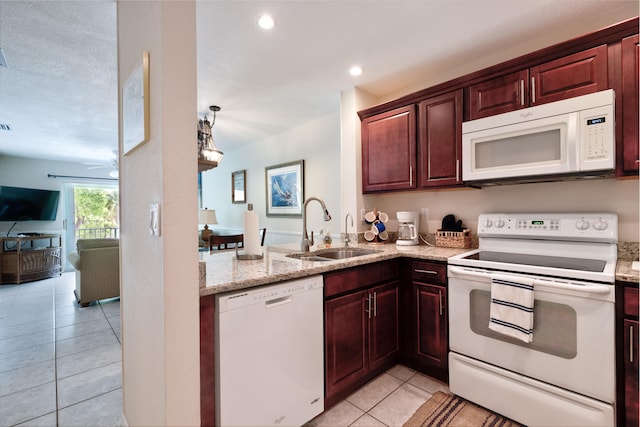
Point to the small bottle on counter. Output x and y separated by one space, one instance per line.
327 238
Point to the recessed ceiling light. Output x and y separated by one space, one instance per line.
266 22
355 70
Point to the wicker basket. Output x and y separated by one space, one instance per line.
453 239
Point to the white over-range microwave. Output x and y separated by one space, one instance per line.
567 137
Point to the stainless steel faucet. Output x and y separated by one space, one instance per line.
306 242
346 230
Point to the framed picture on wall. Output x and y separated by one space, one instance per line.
135 106
238 191
285 189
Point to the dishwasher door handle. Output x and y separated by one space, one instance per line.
278 301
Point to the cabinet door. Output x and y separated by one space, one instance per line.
573 75
631 372
499 95
389 150
440 124
431 326
384 325
630 111
346 341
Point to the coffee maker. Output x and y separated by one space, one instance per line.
408 223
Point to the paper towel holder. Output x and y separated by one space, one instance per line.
242 256
252 257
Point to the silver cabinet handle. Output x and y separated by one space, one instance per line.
521 92
368 310
631 344
533 90
457 170
410 176
440 297
417 270
375 305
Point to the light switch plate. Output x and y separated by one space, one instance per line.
154 219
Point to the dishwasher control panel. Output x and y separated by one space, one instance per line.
272 293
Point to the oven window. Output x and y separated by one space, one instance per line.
554 325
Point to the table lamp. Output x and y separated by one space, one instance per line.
206 216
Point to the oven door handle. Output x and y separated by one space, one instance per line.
588 289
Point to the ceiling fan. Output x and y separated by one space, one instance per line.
113 164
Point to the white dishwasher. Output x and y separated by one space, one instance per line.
270 354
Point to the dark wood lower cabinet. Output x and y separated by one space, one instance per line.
425 320
346 341
627 354
207 361
361 327
631 372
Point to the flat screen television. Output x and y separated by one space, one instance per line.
28 204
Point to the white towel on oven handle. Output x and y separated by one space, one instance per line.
511 310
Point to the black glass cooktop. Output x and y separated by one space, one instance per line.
594 265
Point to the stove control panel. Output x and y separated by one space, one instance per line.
597 227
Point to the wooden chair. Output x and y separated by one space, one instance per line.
238 239
263 231
220 240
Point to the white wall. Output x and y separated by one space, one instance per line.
159 275
316 142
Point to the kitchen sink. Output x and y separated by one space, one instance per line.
332 253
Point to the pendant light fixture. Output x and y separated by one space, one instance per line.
207 150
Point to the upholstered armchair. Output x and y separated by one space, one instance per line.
97 264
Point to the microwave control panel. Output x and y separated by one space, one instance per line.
597 139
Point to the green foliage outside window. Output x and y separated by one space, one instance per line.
96 208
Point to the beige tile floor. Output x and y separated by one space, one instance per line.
60 365
388 400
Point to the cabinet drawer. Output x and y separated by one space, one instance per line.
339 282
430 272
631 296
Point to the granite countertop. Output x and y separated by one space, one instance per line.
222 272
624 272
225 273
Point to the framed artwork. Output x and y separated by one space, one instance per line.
135 107
285 189
238 191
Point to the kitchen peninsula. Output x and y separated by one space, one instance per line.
225 273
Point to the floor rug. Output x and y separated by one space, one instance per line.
446 410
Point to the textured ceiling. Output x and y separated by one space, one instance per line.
59 92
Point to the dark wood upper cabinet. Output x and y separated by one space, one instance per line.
499 95
572 75
630 110
389 150
440 140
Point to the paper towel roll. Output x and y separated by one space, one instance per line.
251 233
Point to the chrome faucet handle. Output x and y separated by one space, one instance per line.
311 242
